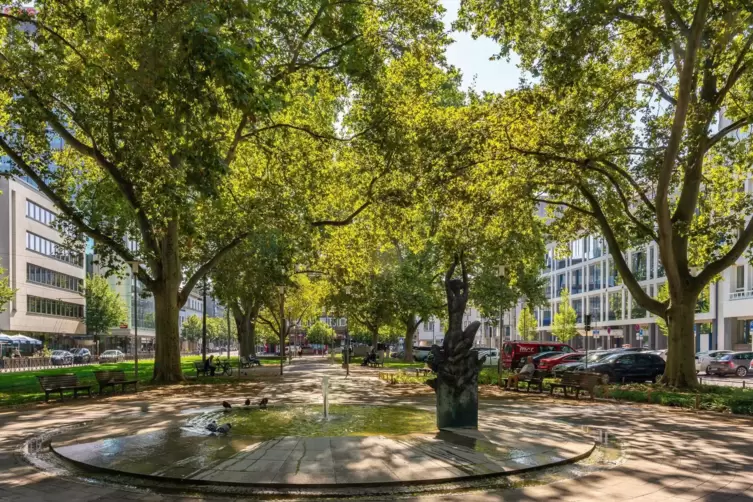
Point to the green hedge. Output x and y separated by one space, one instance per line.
708 397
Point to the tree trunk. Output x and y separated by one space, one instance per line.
410 330
680 370
166 291
374 338
246 331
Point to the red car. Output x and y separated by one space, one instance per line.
550 362
515 353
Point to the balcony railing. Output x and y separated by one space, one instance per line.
741 295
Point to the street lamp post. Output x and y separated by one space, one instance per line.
281 290
346 354
135 264
204 324
501 272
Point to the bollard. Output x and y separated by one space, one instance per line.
697 401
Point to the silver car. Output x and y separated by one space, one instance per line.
702 359
736 363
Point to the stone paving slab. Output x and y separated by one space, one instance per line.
448 455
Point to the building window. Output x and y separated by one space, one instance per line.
613 279
578 307
598 247
431 326
638 265
561 284
740 280
38 213
426 326
548 261
615 306
58 308
546 317
576 283
40 275
594 308
52 249
548 288
651 262
659 267
594 276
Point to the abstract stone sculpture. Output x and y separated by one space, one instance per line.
457 368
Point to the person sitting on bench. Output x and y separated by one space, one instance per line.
525 374
209 365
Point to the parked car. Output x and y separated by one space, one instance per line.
514 352
492 356
702 359
61 357
628 366
547 363
537 358
660 353
81 355
421 353
111 356
735 363
592 357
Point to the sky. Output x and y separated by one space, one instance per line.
472 58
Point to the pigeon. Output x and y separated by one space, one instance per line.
212 426
248 402
263 404
226 405
224 428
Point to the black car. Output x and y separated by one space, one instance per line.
81 356
628 366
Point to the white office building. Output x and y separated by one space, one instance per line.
48 303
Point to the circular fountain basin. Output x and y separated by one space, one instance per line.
297 446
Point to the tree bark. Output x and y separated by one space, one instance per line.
246 324
167 341
374 338
166 292
410 330
680 369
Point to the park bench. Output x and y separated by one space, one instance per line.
379 361
422 371
577 382
61 383
537 379
199 365
247 362
112 378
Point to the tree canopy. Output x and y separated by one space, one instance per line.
105 308
634 110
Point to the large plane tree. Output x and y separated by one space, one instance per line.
132 117
635 125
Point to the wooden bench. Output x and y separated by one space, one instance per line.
379 362
577 382
199 365
247 362
536 379
61 383
112 378
422 371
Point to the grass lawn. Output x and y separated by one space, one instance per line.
22 386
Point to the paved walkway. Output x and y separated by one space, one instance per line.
671 455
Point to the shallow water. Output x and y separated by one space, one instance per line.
309 421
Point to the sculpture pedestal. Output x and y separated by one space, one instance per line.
457 407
